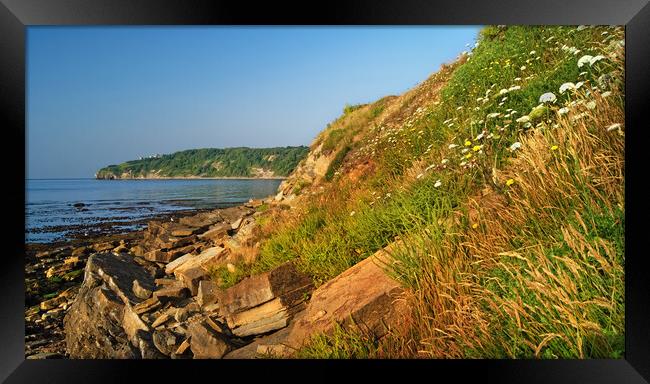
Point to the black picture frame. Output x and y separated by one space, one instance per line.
17 15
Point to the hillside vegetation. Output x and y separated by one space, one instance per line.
211 162
500 180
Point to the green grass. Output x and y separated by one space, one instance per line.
337 162
341 344
360 219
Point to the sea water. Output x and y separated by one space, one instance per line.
55 206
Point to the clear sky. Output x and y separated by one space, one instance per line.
104 95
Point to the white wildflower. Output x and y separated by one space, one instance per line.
579 84
523 67
437 184
548 97
503 91
444 161
532 52
480 136
596 59
493 115
523 119
591 104
567 86
586 59
514 88
563 111
516 145
352 213
606 94
419 176
452 146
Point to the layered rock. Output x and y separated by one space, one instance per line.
101 323
265 302
363 297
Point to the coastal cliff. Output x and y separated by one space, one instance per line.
242 162
479 214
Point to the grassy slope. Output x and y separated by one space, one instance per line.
212 162
509 253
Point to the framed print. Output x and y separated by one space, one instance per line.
453 187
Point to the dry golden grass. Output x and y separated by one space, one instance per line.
470 296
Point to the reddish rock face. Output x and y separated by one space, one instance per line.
363 297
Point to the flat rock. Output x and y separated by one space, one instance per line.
148 305
196 268
140 291
165 341
182 232
201 220
165 282
207 343
235 225
284 281
168 255
215 232
250 350
363 296
100 247
183 347
172 292
207 293
53 303
265 302
171 267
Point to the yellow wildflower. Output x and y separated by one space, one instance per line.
474 226
469 155
554 148
476 148
509 182
468 143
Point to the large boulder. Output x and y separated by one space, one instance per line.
265 302
102 322
363 298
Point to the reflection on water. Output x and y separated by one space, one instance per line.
71 202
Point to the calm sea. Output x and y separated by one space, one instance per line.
56 207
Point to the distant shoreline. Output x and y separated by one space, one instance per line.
197 178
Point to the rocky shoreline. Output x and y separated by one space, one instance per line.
154 294
55 270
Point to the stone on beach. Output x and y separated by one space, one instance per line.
172 292
101 323
207 293
196 268
140 291
206 342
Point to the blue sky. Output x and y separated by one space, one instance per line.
104 95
